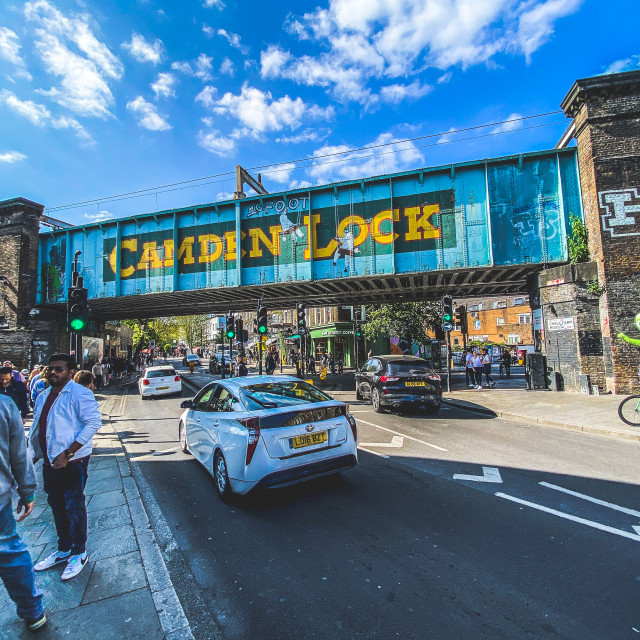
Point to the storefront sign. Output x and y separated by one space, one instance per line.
561 324
337 333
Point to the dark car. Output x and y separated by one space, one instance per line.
399 381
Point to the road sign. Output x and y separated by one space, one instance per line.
447 326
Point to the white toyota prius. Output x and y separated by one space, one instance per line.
268 431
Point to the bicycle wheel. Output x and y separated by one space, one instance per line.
629 411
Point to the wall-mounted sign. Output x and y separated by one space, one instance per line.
551 283
561 324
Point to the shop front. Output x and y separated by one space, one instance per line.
336 339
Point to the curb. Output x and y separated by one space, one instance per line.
600 431
173 620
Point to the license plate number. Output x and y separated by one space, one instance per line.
161 388
414 384
309 439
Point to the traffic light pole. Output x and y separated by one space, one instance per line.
448 361
222 361
259 354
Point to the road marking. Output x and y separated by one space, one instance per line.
396 443
375 453
428 444
489 474
566 516
155 454
630 512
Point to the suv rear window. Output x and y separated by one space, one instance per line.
160 373
418 368
282 394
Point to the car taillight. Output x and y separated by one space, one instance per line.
253 426
434 377
388 379
145 382
177 379
352 423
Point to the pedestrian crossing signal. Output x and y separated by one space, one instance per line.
262 319
231 331
447 310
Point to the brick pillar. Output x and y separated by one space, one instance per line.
606 113
19 227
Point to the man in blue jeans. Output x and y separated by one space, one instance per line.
16 568
65 419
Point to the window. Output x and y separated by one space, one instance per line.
499 304
476 324
456 341
201 401
480 306
224 400
473 307
513 338
518 301
499 320
524 318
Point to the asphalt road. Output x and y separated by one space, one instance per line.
451 526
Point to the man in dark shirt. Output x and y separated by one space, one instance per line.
16 390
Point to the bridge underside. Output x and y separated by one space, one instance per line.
366 290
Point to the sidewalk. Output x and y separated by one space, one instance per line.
575 411
125 591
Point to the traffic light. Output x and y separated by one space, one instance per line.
230 331
239 330
358 330
262 320
447 312
77 310
461 318
302 316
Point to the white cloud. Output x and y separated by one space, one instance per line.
626 64
9 157
397 93
147 115
280 174
144 51
10 47
183 67
203 66
164 85
445 77
387 155
363 40
101 216
217 143
37 114
446 138
217 4
209 31
259 113
308 135
234 40
84 72
206 96
227 67
512 123
64 122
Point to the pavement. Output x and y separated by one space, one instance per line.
125 590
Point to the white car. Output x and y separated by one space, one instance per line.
159 381
268 431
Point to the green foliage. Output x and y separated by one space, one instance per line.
168 348
578 241
594 287
408 320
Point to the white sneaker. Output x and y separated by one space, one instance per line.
52 559
75 565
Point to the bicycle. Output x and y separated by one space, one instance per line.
629 410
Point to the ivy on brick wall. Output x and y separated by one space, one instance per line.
578 241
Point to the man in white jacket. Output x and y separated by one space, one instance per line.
65 418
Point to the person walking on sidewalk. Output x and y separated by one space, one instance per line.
15 390
486 364
468 369
65 419
16 568
478 368
96 370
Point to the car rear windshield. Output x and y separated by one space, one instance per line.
161 373
193 358
282 394
417 368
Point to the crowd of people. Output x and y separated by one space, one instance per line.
478 364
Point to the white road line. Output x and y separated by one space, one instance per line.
375 453
566 516
631 512
396 443
489 474
377 426
150 456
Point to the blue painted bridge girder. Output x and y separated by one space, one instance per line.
470 228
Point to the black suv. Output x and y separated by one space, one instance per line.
398 381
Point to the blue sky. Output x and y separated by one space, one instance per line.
105 98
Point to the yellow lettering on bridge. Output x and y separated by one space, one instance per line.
131 245
419 226
257 235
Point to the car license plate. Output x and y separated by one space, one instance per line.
309 439
414 384
161 388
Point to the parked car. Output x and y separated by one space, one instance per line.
159 381
268 431
399 381
215 362
192 357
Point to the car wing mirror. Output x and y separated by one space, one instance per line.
186 404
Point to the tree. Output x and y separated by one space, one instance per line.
578 241
408 320
192 329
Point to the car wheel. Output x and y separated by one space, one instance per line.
376 402
182 434
143 397
359 396
221 477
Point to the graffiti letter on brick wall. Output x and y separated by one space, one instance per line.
626 338
619 205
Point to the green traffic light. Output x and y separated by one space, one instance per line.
230 334
77 324
262 329
447 317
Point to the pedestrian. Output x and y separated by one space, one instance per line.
14 372
16 469
468 369
96 370
85 378
478 368
15 390
65 419
486 365
39 384
505 363
312 364
370 354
